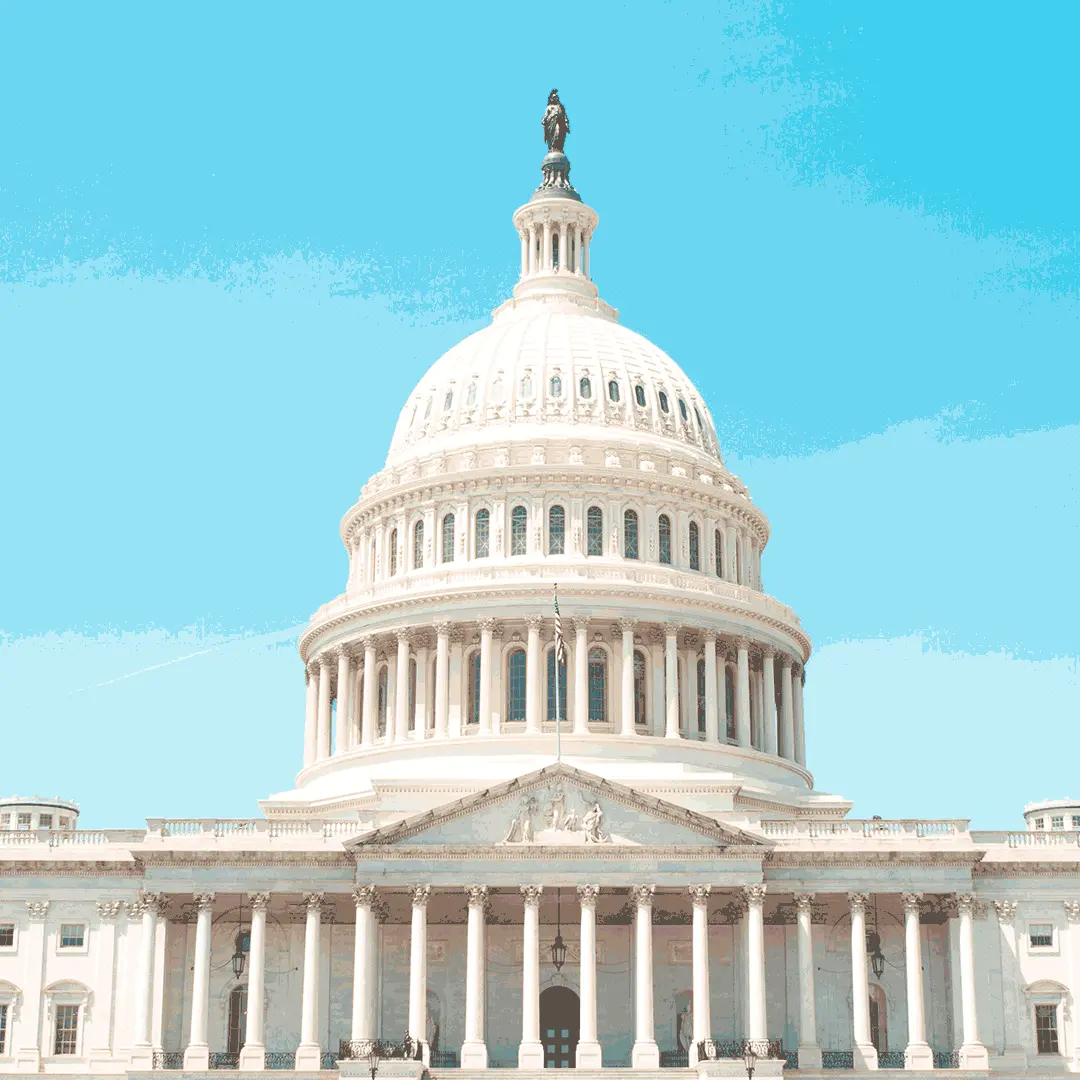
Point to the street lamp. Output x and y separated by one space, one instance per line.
239 956
749 1059
373 1057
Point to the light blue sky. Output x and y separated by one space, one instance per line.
232 238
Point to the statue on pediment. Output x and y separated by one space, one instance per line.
593 825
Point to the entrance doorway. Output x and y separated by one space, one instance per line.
879 1024
560 1017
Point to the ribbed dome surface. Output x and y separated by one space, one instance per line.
558 364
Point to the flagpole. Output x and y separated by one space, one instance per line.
558 649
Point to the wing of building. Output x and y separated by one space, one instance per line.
534 833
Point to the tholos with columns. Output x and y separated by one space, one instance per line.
645 1053
589 1054
531 1050
865 1055
197 1054
253 1053
809 1051
918 1054
474 1050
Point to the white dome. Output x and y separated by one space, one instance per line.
560 362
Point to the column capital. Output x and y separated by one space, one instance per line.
699 894
204 901
531 894
912 902
709 636
858 900
311 671
786 659
478 895
767 651
486 624
364 895
755 894
1006 910
627 625
341 652
109 909
403 634
534 622
965 903
1072 911
741 643
313 901
259 901
642 895
587 895
671 629
581 624
804 901
367 642
796 669
442 629
323 659
158 901
420 895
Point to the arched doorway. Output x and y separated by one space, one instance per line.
560 1016
879 1022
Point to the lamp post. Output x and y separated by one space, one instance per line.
749 1059
373 1057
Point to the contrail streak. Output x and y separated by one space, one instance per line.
143 671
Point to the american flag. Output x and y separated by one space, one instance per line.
560 646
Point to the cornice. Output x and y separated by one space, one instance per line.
1027 869
69 868
554 854
848 859
242 859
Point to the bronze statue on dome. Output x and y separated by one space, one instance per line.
556 123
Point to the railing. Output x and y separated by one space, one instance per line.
227 828
280 1059
168 1059
328 1060
731 1049
359 1049
791 1059
876 829
1043 839
890 1059
946 1059
65 837
837 1059
224 1061
674 1059
444 1059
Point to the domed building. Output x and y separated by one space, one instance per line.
554 807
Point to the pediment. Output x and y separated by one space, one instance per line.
560 806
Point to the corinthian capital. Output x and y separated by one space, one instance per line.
364 895
587 895
912 902
531 894
420 895
858 901
642 895
804 901
755 894
699 894
1006 910
478 895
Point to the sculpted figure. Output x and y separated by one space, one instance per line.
686 1027
556 123
593 824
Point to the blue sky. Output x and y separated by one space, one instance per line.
232 237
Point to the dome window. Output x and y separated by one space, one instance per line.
629 533
682 410
663 402
697 416
701 697
665 539
527 387
551 687
586 389
639 395
418 545
641 718
556 386
483 534
519 531
718 545
448 538
470 396
597 686
393 552
695 547
595 531
427 411
515 686
613 390
556 531
448 401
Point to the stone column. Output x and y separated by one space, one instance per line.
454 716
420 709
104 963
197 1054
787 718
973 1054
365 965
757 1030
442 679
797 675
768 699
712 700
671 681
474 1053
562 247
311 715
370 720
323 727
418 967
524 252
546 249
534 671
809 1051
401 702
699 897
532 249
309 1052
645 1053
531 1050
253 1054
918 1054
581 676
589 1054
658 705
343 735
742 693
587 243
627 712
577 249
487 628
147 908
864 1053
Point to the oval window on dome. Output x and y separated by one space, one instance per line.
682 409
663 402
613 390
448 400
470 396
556 386
639 395
585 388
526 386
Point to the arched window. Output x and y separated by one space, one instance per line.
594 539
556 386
695 547
738 560
371 565
663 401
556 531
597 686
448 400
526 386
701 696
237 1019
629 535
585 389
418 545
393 552
697 417
483 533
639 395
718 551
665 539
613 390
729 701
412 695
640 699
682 410
519 531
472 716
470 396
384 680
448 538
515 686
427 411
554 250
551 688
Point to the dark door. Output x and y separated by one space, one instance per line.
559 1018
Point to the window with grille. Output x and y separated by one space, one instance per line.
551 688
383 683
585 388
701 696
1057 823
7 935
665 539
718 553
613 390
418 545
483 534
515 686
729 701
1038 823
1076 821
470 397
640 699
393 552
630 535
597 686
448 538
682 410
3 1030
5 821
45 821
448 400
24 821
474 688
411 719
72 935
527 387
695 547
519 531
595 531
556 386
556 531
1046 1038
66 1039
1041 935
237 1019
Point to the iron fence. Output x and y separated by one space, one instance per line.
837 1059
224 1061
280 1059
168 1059
890 1059
356 1049
729 1049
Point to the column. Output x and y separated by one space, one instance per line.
253 1054
755 967
157 996
581 676
563 253
197 1054
442 679
809 1051
730 535
918 1054
627 711
658 709
322 737
343 734
577 249
787 718
589 1055
401 704
455 714
474 1053
712 701
533 668
531 1050
420 709
147 907
371 694
699 898
864 1053
365 965
524 252
546 250
671 681
309 1052
586 244
487 628
532 249
645 1053
104 965
973 1054
742 693
28 1055
311 715
418 967
797 675
768 700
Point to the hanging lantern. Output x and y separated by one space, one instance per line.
239 956
877 957
558 946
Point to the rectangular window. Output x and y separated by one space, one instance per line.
45 821
67 1030
3 1029
5 821
1076 821
7 935
1046 1029
24 821
72 935
1057 823
65 823
1041 935
1038 823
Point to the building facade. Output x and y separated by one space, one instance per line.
525 836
